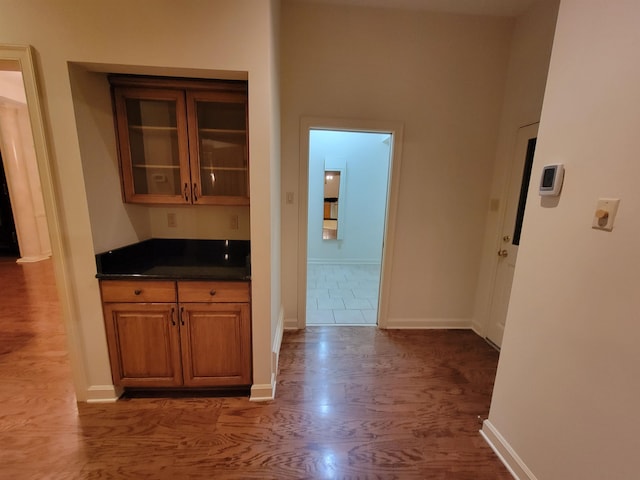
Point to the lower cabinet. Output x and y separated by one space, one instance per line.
174 334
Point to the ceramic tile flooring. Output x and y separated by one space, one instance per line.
342 294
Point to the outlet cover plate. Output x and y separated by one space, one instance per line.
609 205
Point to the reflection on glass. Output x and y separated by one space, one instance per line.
153 140
223 155
331 194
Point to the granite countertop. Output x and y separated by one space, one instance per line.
177 259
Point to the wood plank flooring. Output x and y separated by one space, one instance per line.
351 402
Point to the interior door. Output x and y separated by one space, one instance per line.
507 248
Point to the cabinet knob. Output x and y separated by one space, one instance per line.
137 291
212 292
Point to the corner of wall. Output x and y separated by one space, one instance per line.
267 391
505 452
102 394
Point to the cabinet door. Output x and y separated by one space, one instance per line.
216 344
153 145
218 147
144 344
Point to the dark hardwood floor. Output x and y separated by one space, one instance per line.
351 402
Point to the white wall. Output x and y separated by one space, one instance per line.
443 76
526 80
362 210
159 37
567 388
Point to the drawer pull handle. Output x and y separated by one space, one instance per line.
137 291
212 292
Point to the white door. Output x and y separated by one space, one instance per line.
507 247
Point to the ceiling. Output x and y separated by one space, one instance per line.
505 8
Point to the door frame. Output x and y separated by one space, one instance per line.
21 58
349 125
512 167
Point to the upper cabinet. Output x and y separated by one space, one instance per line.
182 141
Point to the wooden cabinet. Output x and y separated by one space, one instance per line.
182 141
215 332
173 334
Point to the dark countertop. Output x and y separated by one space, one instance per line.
177 259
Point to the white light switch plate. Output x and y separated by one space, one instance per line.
610 206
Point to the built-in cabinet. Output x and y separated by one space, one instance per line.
182 141
178 333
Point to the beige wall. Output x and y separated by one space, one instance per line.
567 389
526 80
160 36
443 76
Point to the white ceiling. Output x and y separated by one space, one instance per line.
508 8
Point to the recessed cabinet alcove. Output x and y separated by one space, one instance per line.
182 141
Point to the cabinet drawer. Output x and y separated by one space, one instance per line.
195 292
138 291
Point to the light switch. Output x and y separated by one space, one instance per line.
605 213
171 220
289 198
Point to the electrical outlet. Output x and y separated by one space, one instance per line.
172 222
605 214
234 222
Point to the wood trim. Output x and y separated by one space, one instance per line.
179 83
227 363
120 347
138 291
223 292
120 95
192 97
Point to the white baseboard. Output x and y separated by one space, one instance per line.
34 258
277 343
263 392
343 261
267 391
103 393
427 323
477 328
505 452
291 324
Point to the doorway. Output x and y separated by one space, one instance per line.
8 236
349 171
507 251
18 58
347 201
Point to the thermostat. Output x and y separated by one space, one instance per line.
551 180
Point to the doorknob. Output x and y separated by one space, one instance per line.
503 253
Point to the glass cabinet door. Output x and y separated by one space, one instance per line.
152 127
218 147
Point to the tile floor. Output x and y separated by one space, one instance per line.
342 294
